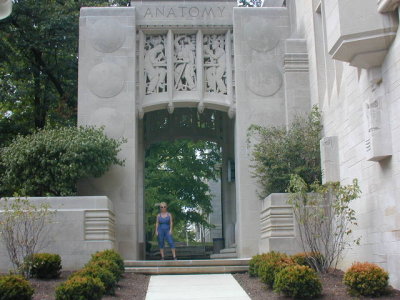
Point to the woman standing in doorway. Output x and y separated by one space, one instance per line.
164 225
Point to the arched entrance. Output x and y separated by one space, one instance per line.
217 129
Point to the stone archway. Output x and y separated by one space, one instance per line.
210 125
158 55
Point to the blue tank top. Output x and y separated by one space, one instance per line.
163 223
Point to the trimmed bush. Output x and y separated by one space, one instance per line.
366 279
271 264
309 259
49 162
45 265
112 255
254 264
107 264
298 282
80 288
13 287
107 278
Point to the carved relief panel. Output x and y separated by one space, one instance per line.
214 57
155 64
185 62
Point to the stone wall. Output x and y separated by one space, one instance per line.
80 227
360 107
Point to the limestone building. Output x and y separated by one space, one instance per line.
253 66
144 69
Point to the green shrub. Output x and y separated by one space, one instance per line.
51 161
366 279
45 265
112 255
80 288
298 282
13 287
271 264
107 278
254 264
310 259
279 152
107 264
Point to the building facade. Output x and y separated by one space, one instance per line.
258 66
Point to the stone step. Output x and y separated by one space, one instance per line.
187 263
223 255
228 250
187 270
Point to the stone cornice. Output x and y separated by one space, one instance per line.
385 6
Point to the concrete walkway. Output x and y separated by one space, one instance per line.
204 286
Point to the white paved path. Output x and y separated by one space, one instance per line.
204 286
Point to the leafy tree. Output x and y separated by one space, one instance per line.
51 161
176 173
39 59
280 152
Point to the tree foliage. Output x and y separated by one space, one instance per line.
325 219
39 59
279 152
177 173
51 161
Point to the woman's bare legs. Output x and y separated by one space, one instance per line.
162 253
173 253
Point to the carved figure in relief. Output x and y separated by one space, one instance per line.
215 63
155 65
185 63
374 120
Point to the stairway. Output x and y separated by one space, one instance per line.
213 266
225 253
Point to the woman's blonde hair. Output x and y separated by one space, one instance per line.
163 204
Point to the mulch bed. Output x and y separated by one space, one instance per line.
131 286
333 288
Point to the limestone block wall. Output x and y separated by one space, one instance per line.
106 92
80 227
345 94
259 36
278 226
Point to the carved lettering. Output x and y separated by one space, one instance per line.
184 11
208 12
193 12
148 13
171 12
159 11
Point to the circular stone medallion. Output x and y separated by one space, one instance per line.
112 120
107 35
106 80
261 35
263 79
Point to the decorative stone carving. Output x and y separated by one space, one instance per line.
215 63
263 79
185 62
106 80
330 159
107 35
99 225
378 141
261 35
155 64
